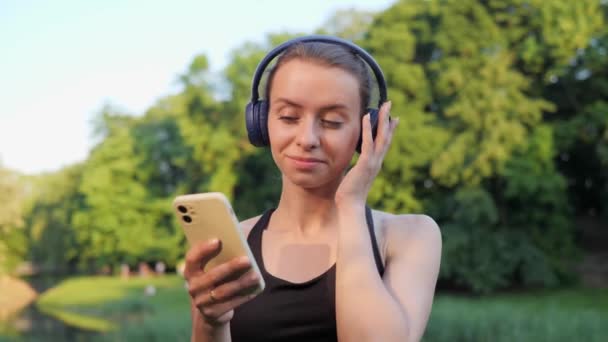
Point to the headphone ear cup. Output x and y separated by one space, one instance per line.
252 120
373 118
263 121
252 127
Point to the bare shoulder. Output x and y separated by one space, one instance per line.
247 225
409 231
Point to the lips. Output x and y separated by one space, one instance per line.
305 164
307 160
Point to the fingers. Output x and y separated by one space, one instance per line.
249 280
198 256
216 313
367 142
201 285
226 297
228 291
389 137
385 128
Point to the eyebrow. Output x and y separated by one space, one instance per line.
323 109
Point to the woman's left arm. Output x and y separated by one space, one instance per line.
368 307
397 306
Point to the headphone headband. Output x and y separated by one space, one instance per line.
320 39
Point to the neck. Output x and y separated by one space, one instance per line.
306 211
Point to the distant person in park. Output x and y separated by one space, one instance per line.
334 268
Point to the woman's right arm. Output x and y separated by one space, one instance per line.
212 297
204 332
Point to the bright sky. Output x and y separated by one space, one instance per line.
60 61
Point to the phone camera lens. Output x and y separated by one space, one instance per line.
187 218
182 209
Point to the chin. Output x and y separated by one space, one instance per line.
310 180
308 184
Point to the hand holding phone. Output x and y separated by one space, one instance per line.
220 270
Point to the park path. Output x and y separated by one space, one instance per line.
14 296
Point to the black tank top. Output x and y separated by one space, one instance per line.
287 311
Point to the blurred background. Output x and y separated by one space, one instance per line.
110 109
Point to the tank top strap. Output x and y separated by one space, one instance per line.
372 235
255 236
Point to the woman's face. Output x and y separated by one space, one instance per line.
313 121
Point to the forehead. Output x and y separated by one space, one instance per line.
309 82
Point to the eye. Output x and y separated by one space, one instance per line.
331 124
288 119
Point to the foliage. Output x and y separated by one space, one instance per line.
52 241
12 241
581 127
476 155
121 220
504 141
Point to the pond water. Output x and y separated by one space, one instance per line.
137 316
30 324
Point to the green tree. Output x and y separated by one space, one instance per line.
350 24
581 126
466 77
55 198
121 221
11 192
12 243
207 129
258 181
504 136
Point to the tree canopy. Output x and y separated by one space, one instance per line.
504 141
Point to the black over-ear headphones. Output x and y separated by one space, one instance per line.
256 112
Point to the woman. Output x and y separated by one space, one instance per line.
334 269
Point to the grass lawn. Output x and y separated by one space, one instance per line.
557 315
121 311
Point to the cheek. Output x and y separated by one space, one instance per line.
278 136
344 145
278 141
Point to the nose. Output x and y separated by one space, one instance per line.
308 134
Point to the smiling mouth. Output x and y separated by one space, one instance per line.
306 160
305 163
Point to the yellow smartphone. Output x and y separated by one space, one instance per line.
207 216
